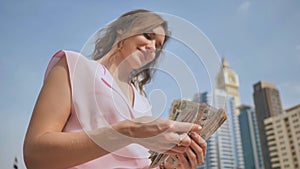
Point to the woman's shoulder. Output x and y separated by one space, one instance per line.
71 56
80 58
62 52
74 60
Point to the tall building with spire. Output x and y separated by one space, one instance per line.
267 104
228 80
224 148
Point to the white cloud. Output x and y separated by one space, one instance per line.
244 7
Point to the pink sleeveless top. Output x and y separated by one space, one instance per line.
98 102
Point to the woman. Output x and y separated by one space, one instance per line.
93 113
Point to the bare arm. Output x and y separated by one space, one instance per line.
45 145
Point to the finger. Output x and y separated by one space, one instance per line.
171 152
171 162
198 151
200 141
184 140
184 127
179 150
183 161
192 158
176 161
168 165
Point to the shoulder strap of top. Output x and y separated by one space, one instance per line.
70 56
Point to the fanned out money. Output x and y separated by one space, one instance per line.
208 117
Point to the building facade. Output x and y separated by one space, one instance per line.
283 137
250 138
224 149
267 104
228 80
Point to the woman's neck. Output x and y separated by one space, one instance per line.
117 67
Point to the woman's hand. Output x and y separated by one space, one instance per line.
193 157
162 135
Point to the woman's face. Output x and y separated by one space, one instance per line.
139 50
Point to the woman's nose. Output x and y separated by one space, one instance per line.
151 46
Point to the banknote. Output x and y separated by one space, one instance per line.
209 117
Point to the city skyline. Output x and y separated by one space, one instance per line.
261 41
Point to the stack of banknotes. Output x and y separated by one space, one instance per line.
208 117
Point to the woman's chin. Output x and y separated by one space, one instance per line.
137 66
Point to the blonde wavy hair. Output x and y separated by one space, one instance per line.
131 23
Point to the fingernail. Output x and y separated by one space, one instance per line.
199 127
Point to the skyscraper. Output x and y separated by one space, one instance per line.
222 142
250 138
228 80
224 147
267 104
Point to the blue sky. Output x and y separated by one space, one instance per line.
260 39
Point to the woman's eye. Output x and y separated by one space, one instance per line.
147 36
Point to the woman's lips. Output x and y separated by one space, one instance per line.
144 53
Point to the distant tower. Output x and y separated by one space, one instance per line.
267 99
228 80
250 138
267 104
